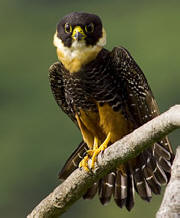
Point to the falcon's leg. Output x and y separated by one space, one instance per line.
95 151
84 162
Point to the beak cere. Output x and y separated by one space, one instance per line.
78 33
78 36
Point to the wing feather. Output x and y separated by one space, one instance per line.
57 87
152 167
138 97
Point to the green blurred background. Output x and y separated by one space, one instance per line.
35 136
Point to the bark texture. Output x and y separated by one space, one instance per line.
130 146
170 206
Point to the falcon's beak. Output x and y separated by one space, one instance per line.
78 33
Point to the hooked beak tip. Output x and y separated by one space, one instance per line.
78 36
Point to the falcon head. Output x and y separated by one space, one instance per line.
79 27
79 37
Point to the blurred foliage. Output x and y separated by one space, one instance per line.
35 137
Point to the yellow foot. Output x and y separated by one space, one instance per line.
84 163
95 151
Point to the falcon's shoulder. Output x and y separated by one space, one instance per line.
57 87
139 101
134 87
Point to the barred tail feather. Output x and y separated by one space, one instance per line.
141 185
124 189
158 173
91 192
145 174
152 181
120 189
106 188
130 192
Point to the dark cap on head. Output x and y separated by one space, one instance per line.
85 21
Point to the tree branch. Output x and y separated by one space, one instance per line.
170 206
130 146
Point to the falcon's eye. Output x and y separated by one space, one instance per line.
68 28
89 28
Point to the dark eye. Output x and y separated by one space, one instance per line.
89 28
68 28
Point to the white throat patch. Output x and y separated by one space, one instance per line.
79 53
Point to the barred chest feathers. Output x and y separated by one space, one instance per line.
93 83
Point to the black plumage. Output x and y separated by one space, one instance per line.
106 188
115 79
80 19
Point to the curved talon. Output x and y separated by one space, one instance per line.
97 150
84 163
94 152
90 152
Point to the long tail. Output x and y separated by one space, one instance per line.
145 174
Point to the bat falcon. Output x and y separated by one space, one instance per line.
106 94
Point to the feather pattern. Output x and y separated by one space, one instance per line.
115 79
106 188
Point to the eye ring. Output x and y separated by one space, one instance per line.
67 28
89 28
